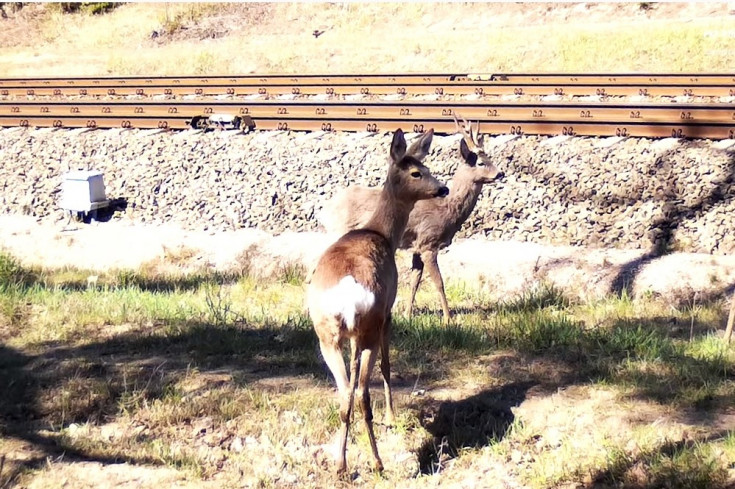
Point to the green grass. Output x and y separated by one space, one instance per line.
693 464
160 355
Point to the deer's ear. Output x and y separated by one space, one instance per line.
398 146
420 148
467 155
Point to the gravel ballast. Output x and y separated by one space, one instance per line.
600 192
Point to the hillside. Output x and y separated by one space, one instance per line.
163 38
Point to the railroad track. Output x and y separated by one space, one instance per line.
626 105
574 85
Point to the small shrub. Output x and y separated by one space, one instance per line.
205 62
11 7
176 20
89 8
98 8
536 298
292 274
12 274
219 305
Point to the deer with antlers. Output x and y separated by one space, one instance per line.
433 223
353 287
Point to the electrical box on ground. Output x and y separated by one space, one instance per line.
83 191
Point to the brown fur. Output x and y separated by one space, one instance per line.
368 256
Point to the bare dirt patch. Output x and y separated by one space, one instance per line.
503 269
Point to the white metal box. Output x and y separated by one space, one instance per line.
83 191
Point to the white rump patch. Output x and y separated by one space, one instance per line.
347 299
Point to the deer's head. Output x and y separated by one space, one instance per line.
477 164
408 179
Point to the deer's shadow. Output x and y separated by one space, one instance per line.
468 423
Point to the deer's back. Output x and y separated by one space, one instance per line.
367 257
349 209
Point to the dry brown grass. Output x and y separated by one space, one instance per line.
368 37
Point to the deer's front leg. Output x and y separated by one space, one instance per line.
385 371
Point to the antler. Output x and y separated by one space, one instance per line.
471 136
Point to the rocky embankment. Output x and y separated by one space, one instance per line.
599 192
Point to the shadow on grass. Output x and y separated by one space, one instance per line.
472 422
22 416
46 392
650 358
96 380
546 295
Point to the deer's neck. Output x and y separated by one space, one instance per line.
462 199
390 217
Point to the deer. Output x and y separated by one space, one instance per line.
352 289
433 223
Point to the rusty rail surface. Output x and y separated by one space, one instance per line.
380 103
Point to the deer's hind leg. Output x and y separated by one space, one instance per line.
346 405
369 356
332 354
431 259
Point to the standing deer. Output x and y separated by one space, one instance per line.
353 287
433 223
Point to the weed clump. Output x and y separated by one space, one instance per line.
13 274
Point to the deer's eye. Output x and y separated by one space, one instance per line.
480 163
416 174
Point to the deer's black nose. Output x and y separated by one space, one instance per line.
500 176
442 192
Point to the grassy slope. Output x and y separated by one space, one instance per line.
218 377
277 38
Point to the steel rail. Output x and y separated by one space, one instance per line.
379 85
615 78
227 80
411 78
716 121
409 111
650 130
551 128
